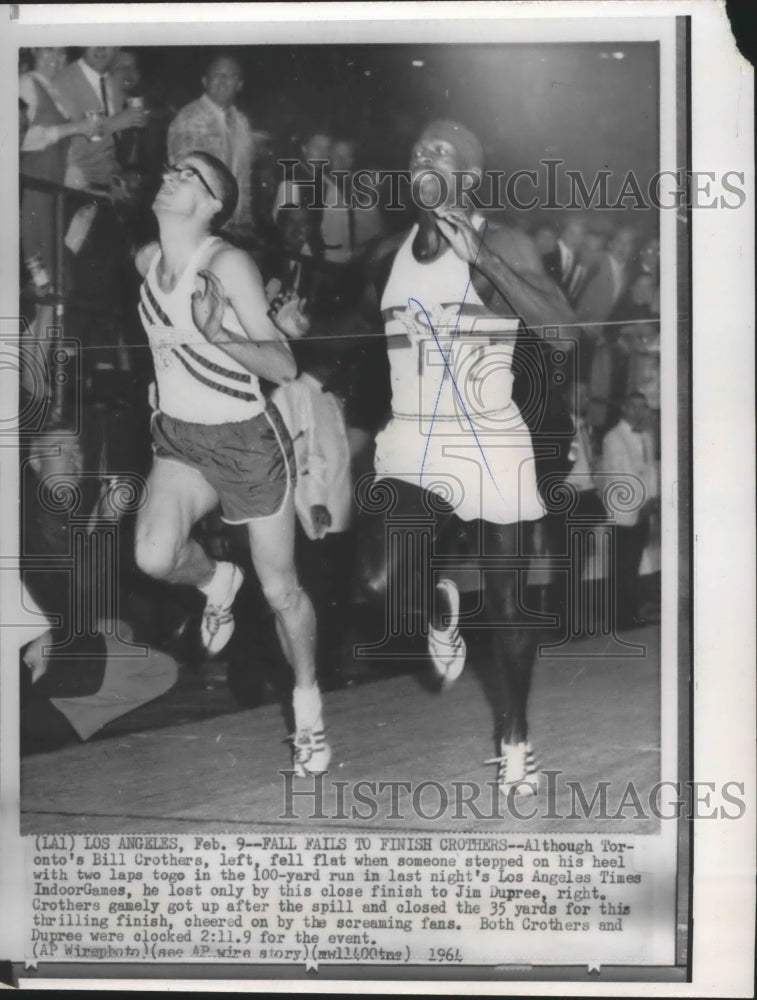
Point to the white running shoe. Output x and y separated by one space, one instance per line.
217 625
447 647
516 768
310 752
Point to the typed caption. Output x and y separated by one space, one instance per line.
378 899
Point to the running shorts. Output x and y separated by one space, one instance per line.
250 464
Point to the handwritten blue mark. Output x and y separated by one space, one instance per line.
448 370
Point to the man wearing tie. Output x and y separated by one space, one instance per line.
631 496
346 228
608 278
563 264
87 86
213 124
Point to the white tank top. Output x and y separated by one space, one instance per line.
448 354
197 381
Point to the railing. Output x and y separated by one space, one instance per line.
61 197
57 297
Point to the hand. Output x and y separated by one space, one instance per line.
273 288
288 314
33 658
87 127
208 306
107 507
321 518
152 396
128 118
75 177
459 232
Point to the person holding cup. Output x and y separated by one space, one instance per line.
44 149
93 93
127 71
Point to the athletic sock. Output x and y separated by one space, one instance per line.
307 707
447 606
218 588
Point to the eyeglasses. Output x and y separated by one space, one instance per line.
184 174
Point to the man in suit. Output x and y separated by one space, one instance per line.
346 229
629 468
608 278
563 263
88 85
213 124
127 71
300 189
606 283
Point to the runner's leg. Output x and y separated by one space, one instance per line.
513 645
513 648
394 550
177 497
272 550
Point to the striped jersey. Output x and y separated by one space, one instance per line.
196 380
455 429
449 355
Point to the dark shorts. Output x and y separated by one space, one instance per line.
250 464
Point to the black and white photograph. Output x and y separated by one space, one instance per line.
349 544
387 514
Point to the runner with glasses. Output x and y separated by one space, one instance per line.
185 173
216 438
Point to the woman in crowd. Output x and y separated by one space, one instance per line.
44 150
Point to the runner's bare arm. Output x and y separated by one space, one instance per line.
233 278
510 262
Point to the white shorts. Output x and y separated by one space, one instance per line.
481 474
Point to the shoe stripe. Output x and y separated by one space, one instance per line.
455 642
529 765
223 619
452 639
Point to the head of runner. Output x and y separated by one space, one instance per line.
444 153
198 192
